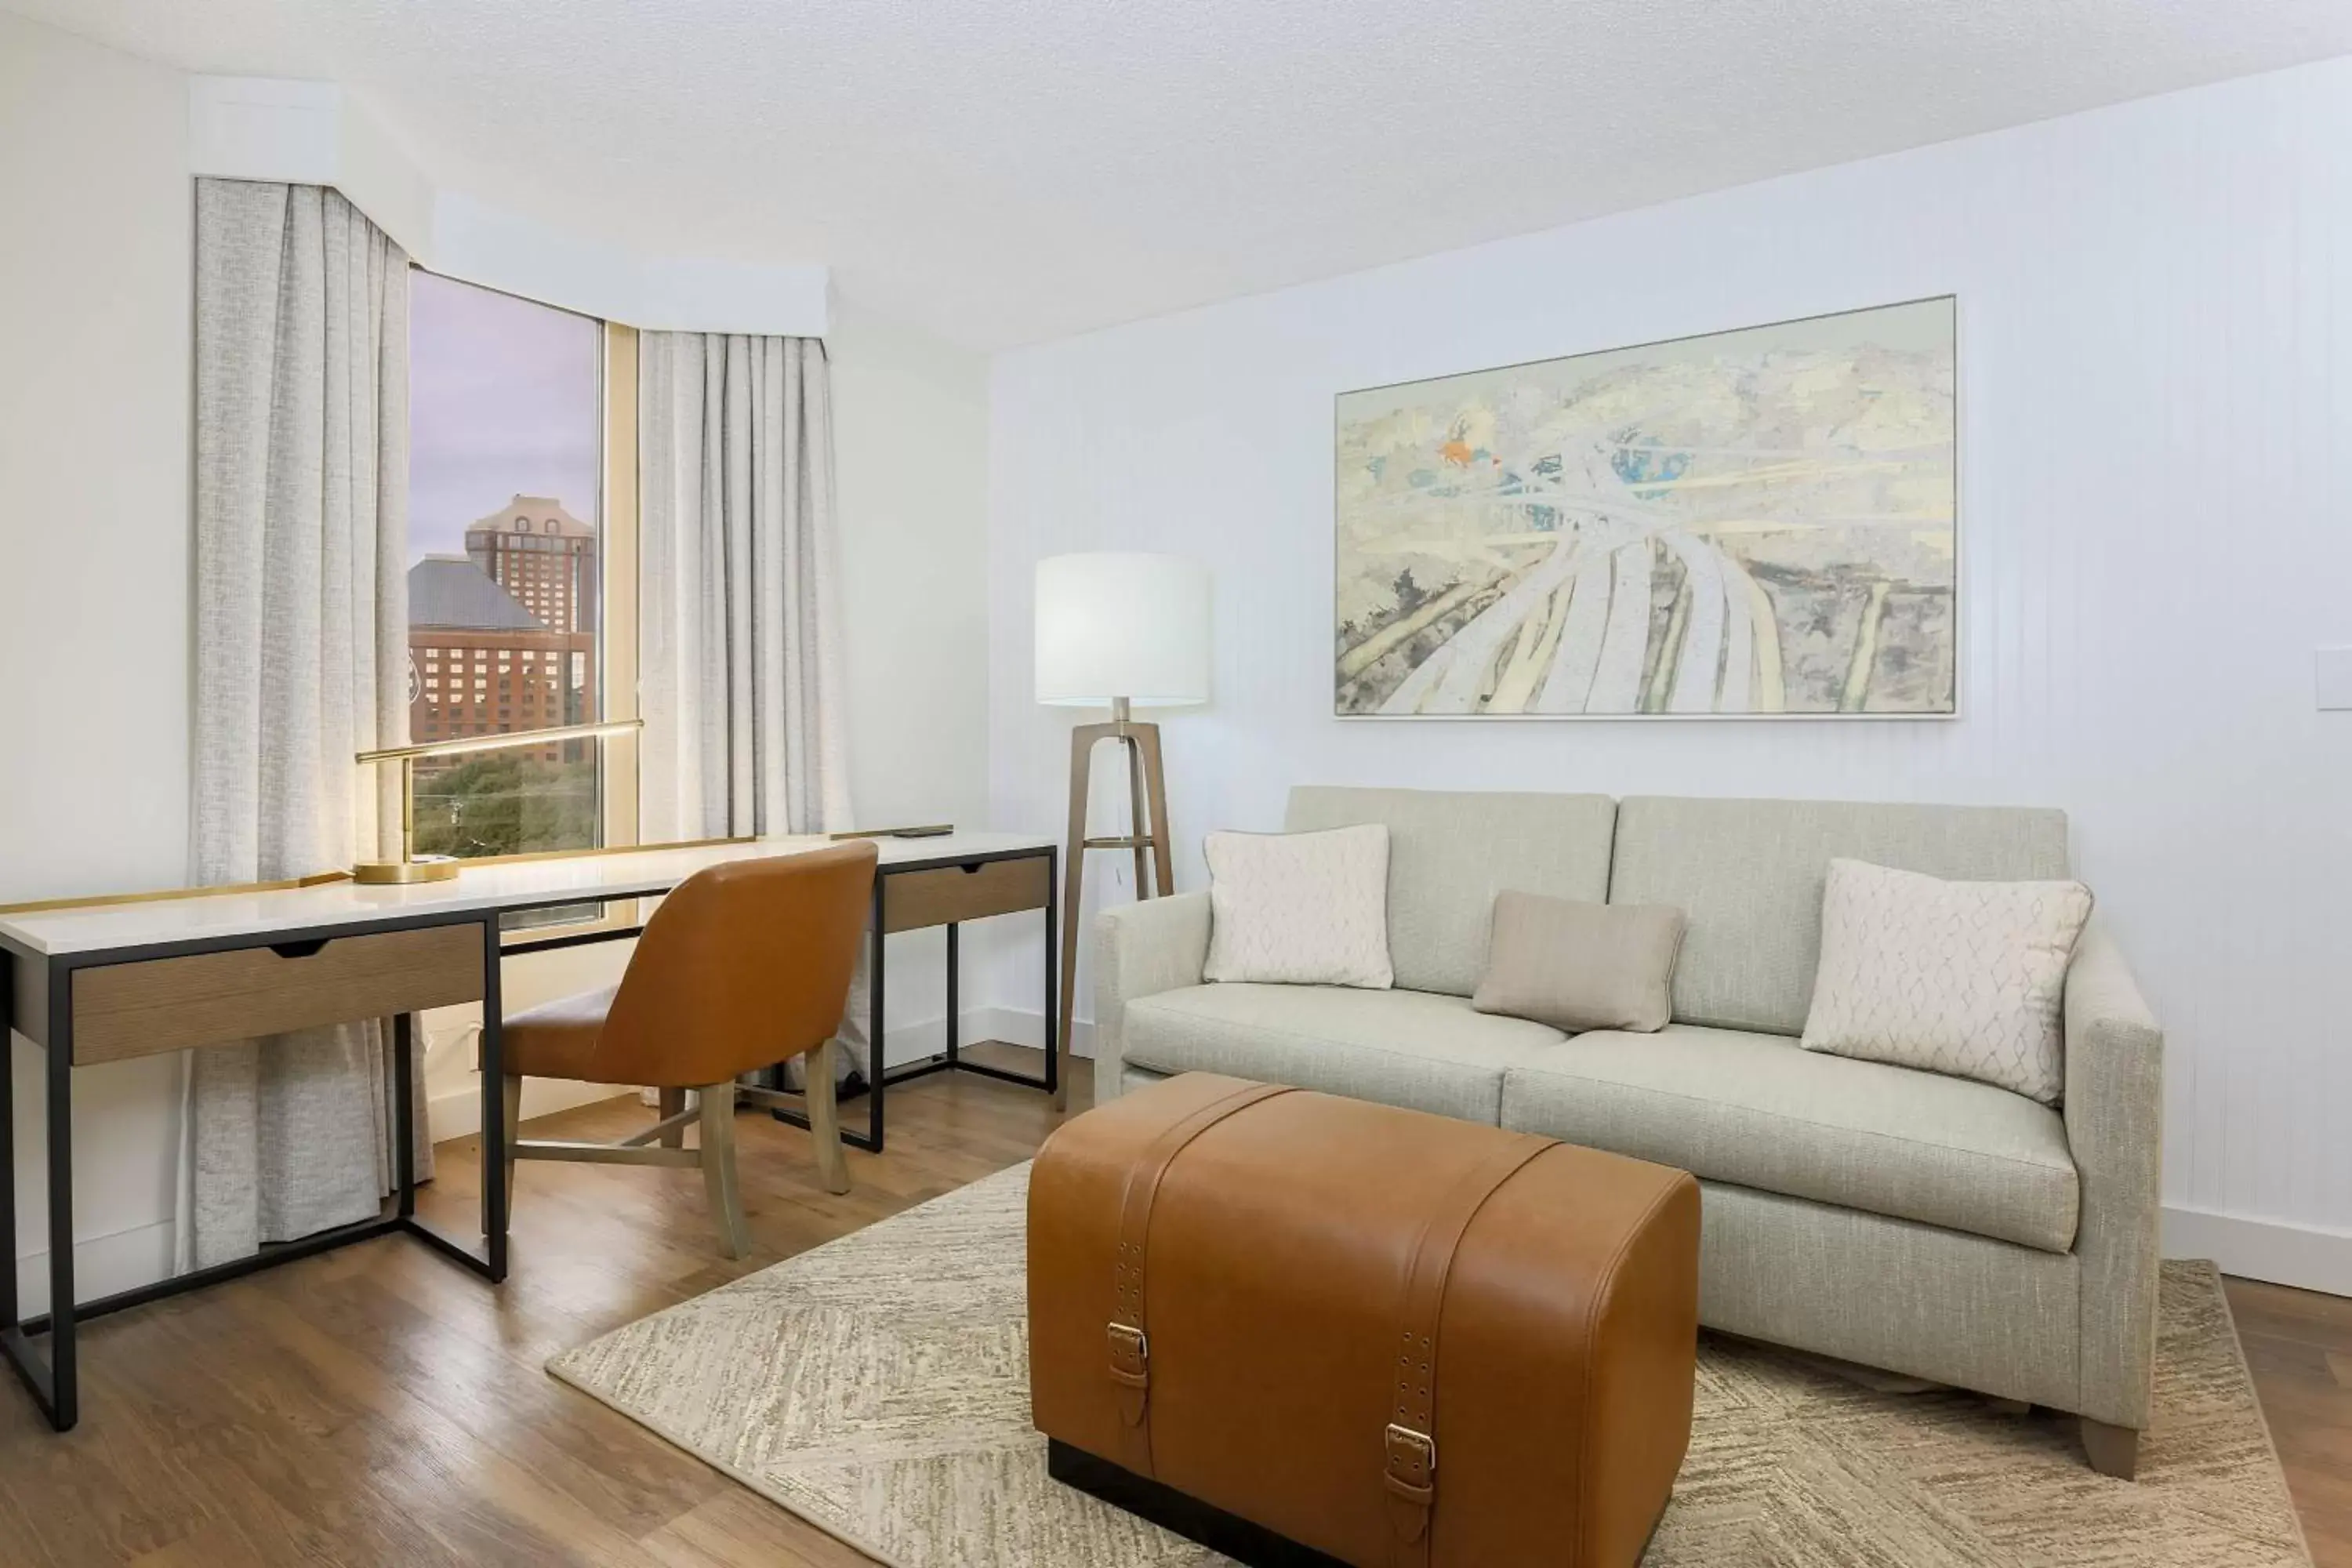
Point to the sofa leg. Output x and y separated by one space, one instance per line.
2112 1450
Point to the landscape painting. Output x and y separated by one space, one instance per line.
1754 522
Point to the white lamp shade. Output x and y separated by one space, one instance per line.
1113 625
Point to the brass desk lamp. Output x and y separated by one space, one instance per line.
413 868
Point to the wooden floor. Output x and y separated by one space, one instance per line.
378 1406
2299 1345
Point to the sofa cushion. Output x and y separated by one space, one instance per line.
1749 873
1577 965
1299 909
1759 1110
1963 978
1412 1049
1450 852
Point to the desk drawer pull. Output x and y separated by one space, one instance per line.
299 949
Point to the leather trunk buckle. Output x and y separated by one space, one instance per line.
1412 1464
1131 1355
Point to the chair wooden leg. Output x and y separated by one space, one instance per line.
2112 1450
510 1110
673 1100
718 1167
825 1122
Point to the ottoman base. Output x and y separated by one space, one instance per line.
1252 1546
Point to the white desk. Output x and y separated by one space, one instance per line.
98 983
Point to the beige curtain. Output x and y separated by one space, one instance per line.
739 670
301 482
739 657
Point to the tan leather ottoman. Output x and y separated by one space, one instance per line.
1304 1329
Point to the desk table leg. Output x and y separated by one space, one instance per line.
1056 1042
494 1120
874 1026
404 1113
53 1379
11 1308
65 1394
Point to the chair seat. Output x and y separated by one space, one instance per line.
558 1038
1416 1049
1761 1112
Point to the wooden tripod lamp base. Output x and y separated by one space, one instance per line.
1147 795
1111 622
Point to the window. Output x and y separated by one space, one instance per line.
507 421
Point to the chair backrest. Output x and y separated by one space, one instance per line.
1748 874
1450 851
744 964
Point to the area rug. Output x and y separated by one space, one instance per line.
877 1386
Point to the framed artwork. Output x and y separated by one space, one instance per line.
1761 522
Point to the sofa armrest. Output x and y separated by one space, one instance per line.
1142 948
2115 1127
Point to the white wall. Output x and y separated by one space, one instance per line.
94 656
910 437
2157 511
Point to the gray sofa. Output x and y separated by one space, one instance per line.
1930 1225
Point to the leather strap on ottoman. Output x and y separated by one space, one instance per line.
1411 1441
1130 1346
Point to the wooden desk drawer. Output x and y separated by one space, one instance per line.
912 900
126 1010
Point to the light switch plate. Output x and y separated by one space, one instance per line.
2332 668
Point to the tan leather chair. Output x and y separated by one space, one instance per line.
742 966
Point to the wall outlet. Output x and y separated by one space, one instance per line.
2332 667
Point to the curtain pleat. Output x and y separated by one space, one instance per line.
302 474
740 668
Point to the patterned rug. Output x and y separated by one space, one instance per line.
877 1386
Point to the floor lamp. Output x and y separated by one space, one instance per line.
1118 631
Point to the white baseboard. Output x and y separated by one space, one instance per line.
906 1043
103 1265
1020 1026
458 1113
2305 1256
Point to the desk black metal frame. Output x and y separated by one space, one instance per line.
51 1371
879 1075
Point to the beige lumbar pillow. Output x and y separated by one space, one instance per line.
1578 966
1965 978
1300 908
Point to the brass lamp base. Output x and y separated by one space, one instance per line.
389 873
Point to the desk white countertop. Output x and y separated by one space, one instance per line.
516 885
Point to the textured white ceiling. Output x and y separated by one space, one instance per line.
1006 170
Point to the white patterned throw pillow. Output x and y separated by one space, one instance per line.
1965 978
1300 908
